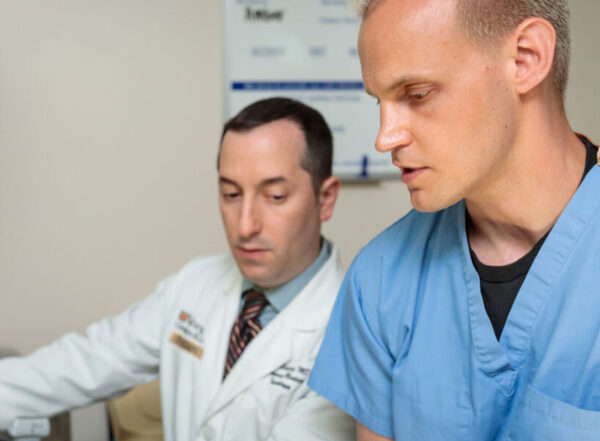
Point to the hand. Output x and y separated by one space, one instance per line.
364 434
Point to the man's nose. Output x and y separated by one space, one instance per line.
393 128
250 224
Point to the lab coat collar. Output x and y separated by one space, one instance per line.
270 349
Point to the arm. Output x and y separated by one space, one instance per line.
364 434
354 366
76 370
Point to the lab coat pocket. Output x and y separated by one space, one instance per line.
543 418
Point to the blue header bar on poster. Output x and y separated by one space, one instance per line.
297 85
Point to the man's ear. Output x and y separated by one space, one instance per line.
533 44
327 197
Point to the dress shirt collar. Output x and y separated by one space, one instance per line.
281 296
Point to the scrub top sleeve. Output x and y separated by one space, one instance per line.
354 368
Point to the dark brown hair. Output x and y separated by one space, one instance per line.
318 151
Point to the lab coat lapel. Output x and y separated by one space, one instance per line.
274 345
220 319
270 349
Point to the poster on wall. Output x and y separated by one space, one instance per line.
306 50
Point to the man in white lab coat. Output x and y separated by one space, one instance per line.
233 337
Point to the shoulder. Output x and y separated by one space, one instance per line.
402 239
204 271
219 262
386 276
397 248
333 269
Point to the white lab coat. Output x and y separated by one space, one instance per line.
264 397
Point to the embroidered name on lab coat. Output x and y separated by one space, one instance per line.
289 377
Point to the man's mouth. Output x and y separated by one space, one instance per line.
251 252
409 174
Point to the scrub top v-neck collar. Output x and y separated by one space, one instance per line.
502 359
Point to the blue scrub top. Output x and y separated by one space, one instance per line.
411 354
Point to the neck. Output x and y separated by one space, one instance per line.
521 204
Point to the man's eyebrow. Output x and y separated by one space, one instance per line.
264 182
225 180
275 180
399 82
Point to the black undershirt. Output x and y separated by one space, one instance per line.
500 284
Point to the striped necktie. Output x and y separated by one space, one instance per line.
246 326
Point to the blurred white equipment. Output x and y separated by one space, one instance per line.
27 429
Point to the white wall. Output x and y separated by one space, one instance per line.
583 95
109 116
110 113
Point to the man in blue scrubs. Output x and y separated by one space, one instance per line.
477 315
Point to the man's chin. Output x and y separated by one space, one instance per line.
260 281
255 273
427 203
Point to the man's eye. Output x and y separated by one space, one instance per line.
230 196
419 95
277 197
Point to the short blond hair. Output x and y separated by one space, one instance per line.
488 21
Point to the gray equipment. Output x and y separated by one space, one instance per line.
27 429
